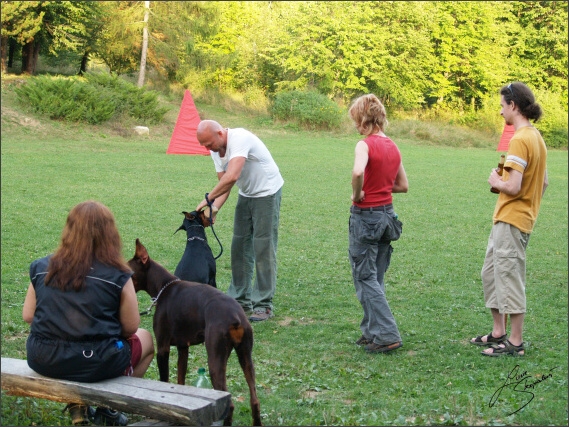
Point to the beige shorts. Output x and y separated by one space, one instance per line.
504 271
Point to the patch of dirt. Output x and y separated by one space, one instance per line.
288 320
310 394
9 115
15 337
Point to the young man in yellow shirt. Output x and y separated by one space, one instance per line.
521 187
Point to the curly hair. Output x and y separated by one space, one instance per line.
368 114
523 97
89 234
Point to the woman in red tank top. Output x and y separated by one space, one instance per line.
378 172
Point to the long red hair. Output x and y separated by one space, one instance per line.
90 234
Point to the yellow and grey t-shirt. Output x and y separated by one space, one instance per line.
527 154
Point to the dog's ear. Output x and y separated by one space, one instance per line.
188 216
204 219
141 252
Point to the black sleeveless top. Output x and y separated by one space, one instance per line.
91 314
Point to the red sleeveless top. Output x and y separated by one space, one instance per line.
380 172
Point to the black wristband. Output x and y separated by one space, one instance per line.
207 200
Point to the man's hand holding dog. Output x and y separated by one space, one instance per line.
210 217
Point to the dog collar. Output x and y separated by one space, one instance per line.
155 300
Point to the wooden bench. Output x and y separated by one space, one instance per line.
171 403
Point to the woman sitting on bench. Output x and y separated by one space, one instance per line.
82 308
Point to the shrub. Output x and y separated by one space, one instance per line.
486 118
255 98
310 110
134 101
94 99
553 124
65 99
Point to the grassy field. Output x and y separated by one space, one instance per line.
309 371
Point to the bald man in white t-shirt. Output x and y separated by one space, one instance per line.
242 159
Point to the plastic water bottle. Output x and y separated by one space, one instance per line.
202 381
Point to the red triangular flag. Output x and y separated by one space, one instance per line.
184 140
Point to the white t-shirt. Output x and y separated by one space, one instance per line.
260 176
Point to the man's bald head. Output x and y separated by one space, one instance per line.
212 135
207 127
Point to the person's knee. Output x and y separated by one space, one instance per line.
147 352
146 341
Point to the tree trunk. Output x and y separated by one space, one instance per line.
142 72
84 60
36 56
3 52
12 45
26 54
30 53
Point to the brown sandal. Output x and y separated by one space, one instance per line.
490 339
378 348
509 348
363 341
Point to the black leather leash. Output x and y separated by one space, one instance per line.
210 205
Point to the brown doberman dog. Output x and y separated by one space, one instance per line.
190 313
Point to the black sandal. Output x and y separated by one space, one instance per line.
509 348
490 340
108 417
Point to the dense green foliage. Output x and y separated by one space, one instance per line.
409 53
135 102
49 27
434 59
310 110
65 98
94 99
554 123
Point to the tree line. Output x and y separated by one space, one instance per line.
438 55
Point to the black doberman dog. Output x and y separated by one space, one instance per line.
190 313
197 263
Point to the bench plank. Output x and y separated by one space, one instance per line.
180 404
149 422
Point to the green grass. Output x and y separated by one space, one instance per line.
309 371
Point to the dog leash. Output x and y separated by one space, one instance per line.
210 205
155 300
